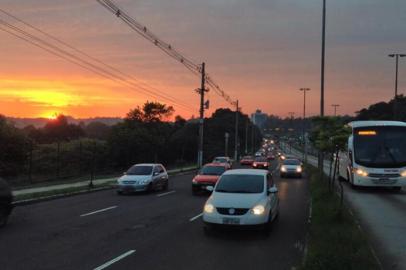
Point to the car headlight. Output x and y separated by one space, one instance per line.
403 174
255 165
208 208
283 169
361 172
194 181
145 181
282 157
258 210
299 169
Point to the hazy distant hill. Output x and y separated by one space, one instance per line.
40 122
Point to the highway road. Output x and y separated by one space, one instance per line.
381 213
161 230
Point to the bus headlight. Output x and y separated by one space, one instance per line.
299 169
361 172
403 174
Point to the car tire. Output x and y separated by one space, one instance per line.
166 185
194 191
4 214
150 188
208 229
119 192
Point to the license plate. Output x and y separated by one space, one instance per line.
231 221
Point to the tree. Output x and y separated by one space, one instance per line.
14 145
329 135
150 112
384 110
60 130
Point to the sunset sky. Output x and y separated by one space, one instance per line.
259 51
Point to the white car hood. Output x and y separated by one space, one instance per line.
134 177
235 200
291 166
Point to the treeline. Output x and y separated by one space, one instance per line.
61 150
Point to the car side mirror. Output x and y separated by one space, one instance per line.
156 173
273 190
210 188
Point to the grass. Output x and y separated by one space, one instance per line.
59 192
335 241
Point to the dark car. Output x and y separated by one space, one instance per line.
6 199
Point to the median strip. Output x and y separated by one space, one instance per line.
196 217
107 264
99 211
166 193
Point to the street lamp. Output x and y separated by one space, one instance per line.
304 121
335 108
396 56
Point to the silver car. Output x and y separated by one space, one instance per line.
143 177
291 167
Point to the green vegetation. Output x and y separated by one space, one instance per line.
335 240
64 152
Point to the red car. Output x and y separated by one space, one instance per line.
270 157
247 160
208 176
260 163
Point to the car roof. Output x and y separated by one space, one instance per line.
147 164
356 124
246 171
215 164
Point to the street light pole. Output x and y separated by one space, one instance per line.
396 56
323 51
304 123
236 132
335 108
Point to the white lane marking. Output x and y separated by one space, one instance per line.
196 217
166 193
107 264
98 211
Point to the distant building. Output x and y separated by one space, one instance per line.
259 118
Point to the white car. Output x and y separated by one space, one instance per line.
242 197
143 177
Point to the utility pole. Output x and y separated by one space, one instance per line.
246 136
323 52
396 56
292 114
252 138
201 91
304 123
236 132
335 108
226 136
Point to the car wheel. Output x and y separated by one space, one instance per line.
4 213
119 192
194 191
208 229
150 188
166 185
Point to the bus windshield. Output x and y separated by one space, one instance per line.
380 147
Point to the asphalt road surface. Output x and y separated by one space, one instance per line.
161 230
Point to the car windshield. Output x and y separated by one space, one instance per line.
247 157
220 160
380 146
260 159
291 162
139 170
212 170
241 183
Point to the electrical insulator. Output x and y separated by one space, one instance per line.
207 104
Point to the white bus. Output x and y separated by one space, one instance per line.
376 154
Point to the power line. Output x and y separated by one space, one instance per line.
166 47
55 50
